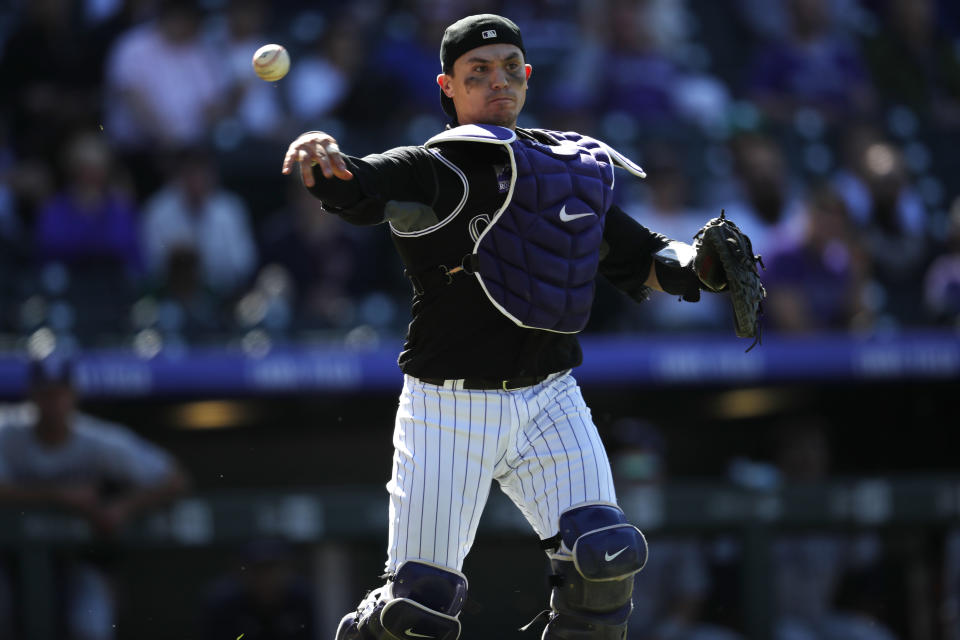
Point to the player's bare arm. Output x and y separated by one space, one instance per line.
316 148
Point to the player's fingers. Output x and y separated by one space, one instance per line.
288 159
337 161
306 167
322 159
293 151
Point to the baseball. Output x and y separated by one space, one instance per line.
271 62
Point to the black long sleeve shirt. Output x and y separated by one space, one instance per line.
456 332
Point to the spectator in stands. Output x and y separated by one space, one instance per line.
941 283
639 75
770 19
322 81
322 258
763 198
670 593
254 106
163 90
810 567
50 81
92 221
266 599
812 67
186 307
622 69
667 207
56 457
406 55
820 281
193 212
889 214
26 182
914 63
11 226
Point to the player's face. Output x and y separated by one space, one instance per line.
488 85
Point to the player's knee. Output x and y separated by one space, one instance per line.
421 600
593 574
603 545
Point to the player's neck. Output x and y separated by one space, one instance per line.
511 125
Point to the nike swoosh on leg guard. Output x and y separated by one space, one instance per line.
610 556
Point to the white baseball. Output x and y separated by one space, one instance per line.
271 62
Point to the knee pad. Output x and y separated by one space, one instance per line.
593 573
421 600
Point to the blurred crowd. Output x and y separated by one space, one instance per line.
141 201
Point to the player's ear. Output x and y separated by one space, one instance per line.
444 81
529 70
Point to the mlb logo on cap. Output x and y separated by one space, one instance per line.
489 34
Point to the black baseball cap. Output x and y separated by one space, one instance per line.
469 33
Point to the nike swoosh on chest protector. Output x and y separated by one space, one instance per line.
567 217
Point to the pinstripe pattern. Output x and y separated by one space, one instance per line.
539 443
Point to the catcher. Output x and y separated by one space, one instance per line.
502 231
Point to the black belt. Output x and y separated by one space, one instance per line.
488 384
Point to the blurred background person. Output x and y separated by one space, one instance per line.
253 116
14 248
51 79
323 81
264 598
890 217
322 259
820 282
815 66
812 568
621 68
671 591
192 211
253 108
913 62
668 205
941 282
86 241
164 89
639 77
764 197
93 220
182 306
57 457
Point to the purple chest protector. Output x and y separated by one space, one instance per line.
537 259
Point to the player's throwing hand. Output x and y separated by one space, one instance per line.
316 148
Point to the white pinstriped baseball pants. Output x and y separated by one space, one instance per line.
538 442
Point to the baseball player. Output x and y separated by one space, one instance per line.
502 231
52 455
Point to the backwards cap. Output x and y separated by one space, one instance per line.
469 33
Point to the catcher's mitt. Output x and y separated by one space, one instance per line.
725 260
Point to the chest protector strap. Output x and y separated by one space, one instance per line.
537 259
